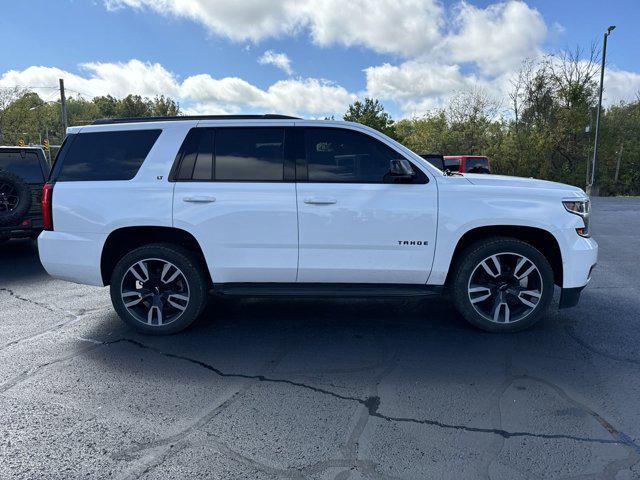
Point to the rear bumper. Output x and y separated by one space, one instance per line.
31 229
72 257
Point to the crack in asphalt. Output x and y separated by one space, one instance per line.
4 387
372 404
29 300
70 316
175 443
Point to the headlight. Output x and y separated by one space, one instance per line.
581 208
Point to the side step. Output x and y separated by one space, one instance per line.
325 290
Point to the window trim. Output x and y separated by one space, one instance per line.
421 177
288 161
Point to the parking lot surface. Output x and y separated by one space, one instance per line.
340 389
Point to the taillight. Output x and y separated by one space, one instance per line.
46 204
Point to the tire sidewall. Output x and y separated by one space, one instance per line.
24 198
189 266
473 255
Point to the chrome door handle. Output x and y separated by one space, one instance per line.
199 199
320 201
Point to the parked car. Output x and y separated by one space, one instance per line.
434 159
166 210
23 172
467 163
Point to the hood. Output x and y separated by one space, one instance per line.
520 182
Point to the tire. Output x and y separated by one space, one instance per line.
502 285
15 198
155 301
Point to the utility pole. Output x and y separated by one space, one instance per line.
592 189
618 162
63 109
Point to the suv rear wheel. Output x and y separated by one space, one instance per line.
159 289
502 285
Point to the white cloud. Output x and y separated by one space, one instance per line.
317 97
442 51
117 79
280 60
238 20
198 93
498 37
405 27
417 86
620 85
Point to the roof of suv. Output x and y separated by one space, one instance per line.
268 116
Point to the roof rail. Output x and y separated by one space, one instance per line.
268 116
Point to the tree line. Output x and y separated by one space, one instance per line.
24 115
545 131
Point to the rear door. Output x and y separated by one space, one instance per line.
236 194
354 225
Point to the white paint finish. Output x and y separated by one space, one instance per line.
72 257
350 232
464 206
104 206
250 232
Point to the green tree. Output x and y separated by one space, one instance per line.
134 106
164 107
371 113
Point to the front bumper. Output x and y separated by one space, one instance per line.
578 259
569 297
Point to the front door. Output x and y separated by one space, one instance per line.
232 195
354 225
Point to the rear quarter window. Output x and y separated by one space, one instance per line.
24 164
100 156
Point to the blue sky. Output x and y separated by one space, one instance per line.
413 54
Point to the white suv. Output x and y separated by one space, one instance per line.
167 210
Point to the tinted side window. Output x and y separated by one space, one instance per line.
249 154
24 164
343 156
197 159
107 155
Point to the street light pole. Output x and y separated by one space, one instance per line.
591 187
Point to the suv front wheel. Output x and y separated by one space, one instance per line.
159 289
502 285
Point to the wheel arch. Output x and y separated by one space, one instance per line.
539 238
123 240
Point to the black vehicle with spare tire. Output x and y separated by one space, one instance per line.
23 172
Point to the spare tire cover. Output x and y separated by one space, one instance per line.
15 198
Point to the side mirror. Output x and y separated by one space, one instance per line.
401 170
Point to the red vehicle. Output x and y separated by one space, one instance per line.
467 163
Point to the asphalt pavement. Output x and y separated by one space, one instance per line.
322 389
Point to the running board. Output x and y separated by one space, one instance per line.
325 290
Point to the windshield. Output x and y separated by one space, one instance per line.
24 164
477 165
